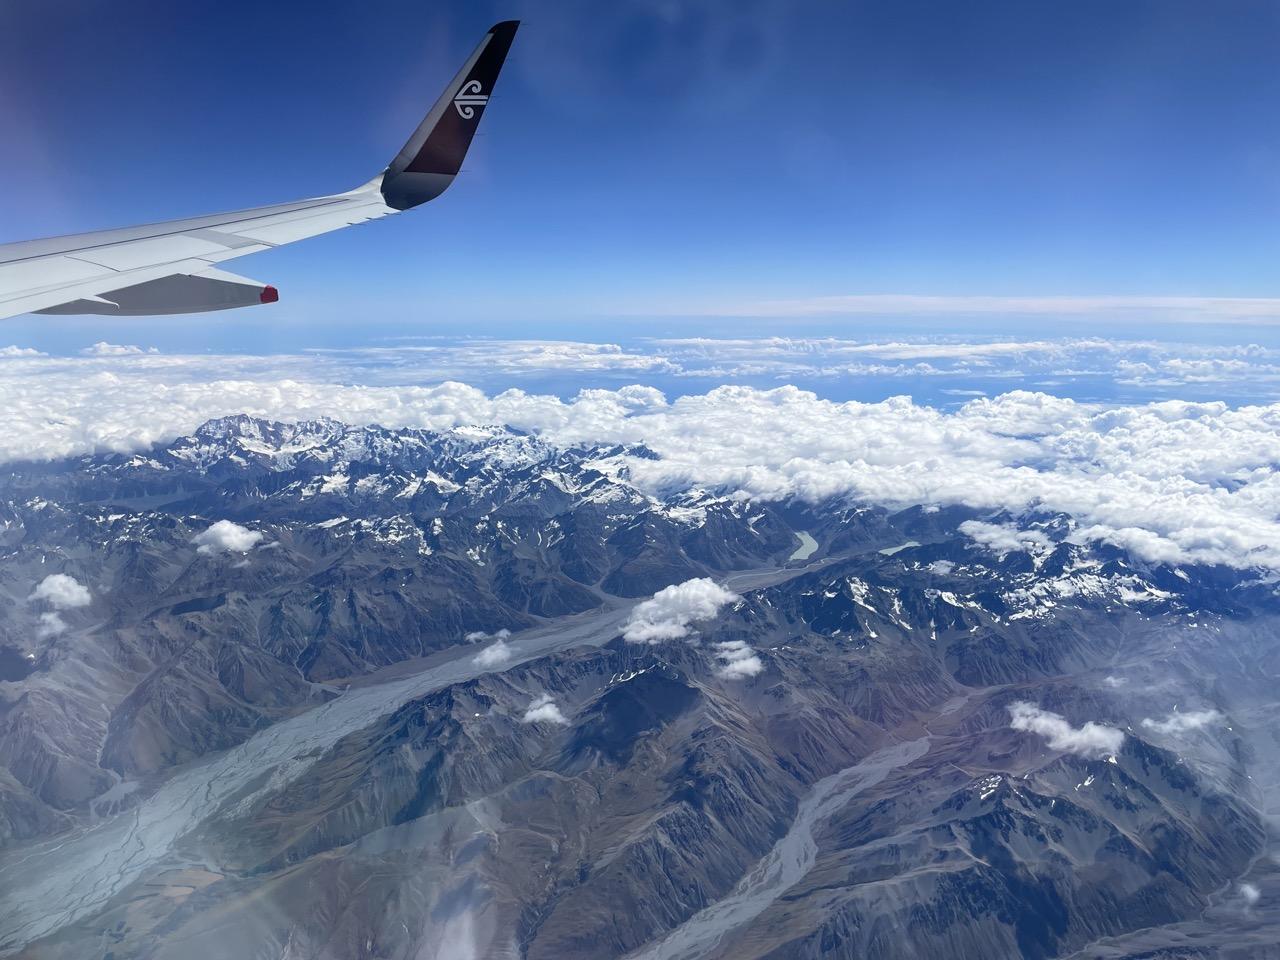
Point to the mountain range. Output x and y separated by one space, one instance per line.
314 690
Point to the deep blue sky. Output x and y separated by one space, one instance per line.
652 159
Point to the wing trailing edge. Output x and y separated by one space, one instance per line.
198 292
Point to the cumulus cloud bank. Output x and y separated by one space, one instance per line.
1177 722
669 613
543 709
1092 738
62 592
1172 481
226 537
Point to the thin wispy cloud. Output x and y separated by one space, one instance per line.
1184 722
947 365
1262 310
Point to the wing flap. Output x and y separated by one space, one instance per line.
32 301
28 275
210 289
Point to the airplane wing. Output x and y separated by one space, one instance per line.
171 267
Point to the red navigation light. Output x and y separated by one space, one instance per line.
269 294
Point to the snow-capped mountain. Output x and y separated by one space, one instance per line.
252 670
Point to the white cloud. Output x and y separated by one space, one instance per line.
1003 538
1172 481
1115 683
15 351
475 636
1250 894
1186 309
1176 722
104 349
941 567
515 357
1092 738
51 625
62 592
668 614
226 537
738 659
543 709
493 655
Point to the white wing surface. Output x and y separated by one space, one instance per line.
172 267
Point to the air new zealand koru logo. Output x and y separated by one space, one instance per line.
468 98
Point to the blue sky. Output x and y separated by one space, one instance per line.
648 168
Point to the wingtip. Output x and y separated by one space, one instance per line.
432 157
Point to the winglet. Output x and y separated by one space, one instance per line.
427 164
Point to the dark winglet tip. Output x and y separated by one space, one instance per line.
507 27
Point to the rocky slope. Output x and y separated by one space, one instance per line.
286 745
